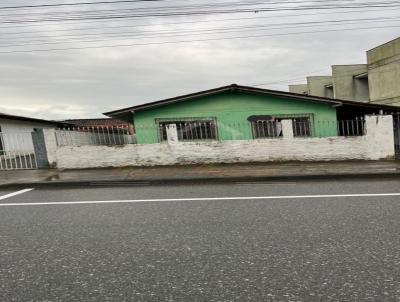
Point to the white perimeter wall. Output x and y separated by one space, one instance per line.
377 144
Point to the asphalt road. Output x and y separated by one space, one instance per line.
318 248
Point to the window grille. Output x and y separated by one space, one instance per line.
191 130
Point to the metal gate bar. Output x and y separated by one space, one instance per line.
16 151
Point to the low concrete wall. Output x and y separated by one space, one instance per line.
378 143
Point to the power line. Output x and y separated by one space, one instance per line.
157 8
185 7
280 82
198 12
191 41
297 77
164 34
131 1
361 10
180 33
76 4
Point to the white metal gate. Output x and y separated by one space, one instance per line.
17 151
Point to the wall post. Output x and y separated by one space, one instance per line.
380 130
45 146
172 134
287 129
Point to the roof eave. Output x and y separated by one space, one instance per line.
168 101
29 119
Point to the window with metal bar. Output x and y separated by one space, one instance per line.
266 129
301 127
191 130
354 127
273 128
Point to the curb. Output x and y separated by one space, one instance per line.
199 180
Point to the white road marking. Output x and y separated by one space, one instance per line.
15 193
194 199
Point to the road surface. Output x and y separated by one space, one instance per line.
287 241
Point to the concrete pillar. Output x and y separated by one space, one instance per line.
379 125
172 134
379 129
45 146
287 129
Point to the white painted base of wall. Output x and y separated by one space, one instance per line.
300 149
378 143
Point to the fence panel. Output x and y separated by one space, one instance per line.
302 127
191 130
266 129
306 128
207 130
94 136
16 151
355 127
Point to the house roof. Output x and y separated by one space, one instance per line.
29 119
122 113
125 113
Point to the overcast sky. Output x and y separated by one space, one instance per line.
83 83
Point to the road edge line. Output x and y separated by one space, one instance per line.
15 193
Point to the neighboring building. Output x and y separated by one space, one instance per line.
101 123
12 128
350 82
299 88
374 82
384 73
320 85
238 113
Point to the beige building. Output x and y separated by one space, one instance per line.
384 73
378 81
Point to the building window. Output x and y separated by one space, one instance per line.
266 129
190 130
271 126
301 127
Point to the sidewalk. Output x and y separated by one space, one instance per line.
214 173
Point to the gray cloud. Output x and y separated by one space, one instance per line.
85 83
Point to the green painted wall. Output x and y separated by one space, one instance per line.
231 111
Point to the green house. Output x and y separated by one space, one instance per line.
234 113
